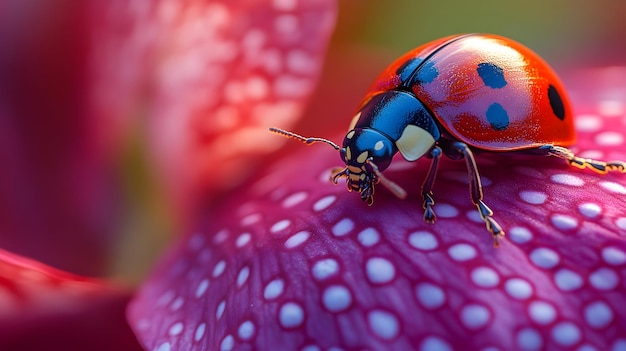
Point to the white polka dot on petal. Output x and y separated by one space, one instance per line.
567 280
220 236
566 334
604 279
369 237
430 296
246 330
291 315
380 270
219 311
324 202
343 227
518 288
475 316
433 343
280 225
485 277
541 312
297 239
533 197
613 256
446 211
202 287
384 324
614 187
177 303
243 275
176 329
219 268
164 347
336 298
227 343
462 252
598 314
294 199
609 139
250 219
589 210
621 223
199 333
588 123
564 222
520 235
544 257
567 179
422 240
619 345
243 239
611 108
274 289
529 339
325 268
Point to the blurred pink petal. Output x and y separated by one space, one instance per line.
42 308
222 70
293 262
58 198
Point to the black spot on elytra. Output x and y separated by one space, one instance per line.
497 116
491 74
415 71
427 73
408 68
556 102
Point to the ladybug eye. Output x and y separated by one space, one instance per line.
342 154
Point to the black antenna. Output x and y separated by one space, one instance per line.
305 140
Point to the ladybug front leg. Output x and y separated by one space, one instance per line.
427 187
476 191
601 167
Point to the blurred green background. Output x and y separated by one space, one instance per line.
570 32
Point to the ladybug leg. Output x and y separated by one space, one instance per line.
476 192
427 187
601 167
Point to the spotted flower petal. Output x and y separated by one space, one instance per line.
293 262
219 71
42 308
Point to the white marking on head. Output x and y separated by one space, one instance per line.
348 153
379 145
350 134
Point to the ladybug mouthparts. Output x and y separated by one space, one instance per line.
357 179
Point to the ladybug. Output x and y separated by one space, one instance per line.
451 96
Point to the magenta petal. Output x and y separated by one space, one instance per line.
43 308
216 73
292 261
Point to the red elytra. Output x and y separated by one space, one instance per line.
451 96
460 77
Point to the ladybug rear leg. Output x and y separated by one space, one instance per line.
601 167
476 192
427 187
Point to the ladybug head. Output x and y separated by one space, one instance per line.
366 153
